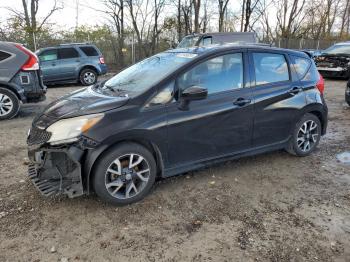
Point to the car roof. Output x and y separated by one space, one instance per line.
231 46
67 45
343 43
221 33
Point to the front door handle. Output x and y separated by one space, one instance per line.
295 90
242 101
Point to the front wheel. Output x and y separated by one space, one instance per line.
306 136
124 174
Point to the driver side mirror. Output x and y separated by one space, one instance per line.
192 93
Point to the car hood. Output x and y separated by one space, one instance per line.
81 102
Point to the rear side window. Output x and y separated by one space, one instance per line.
65 53
301 65
89 50
48 55
270 68
4 55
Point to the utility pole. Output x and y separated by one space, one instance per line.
76 14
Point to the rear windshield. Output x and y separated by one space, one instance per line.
89 50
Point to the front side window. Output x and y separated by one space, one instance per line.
48 55
270 68
66 53
218 74
188 41
164 96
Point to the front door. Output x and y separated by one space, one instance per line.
49 65
216 126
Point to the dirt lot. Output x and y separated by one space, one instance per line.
271 207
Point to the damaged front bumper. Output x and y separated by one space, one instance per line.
56 171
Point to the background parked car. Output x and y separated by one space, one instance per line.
217 38
69 63
20 79
335 61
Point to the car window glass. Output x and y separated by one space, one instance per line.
270 68
68 53
206 41
164 96
48 55
89 50
218 74
4 55
301 65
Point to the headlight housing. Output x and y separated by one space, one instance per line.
68 130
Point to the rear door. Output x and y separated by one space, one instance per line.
216 126
49 65
277 97
69 62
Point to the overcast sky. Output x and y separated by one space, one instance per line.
62 18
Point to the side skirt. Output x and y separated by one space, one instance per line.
177 170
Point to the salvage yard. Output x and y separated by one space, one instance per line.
271 207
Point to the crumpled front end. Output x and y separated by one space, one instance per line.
56 169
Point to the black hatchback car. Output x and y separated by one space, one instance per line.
174 112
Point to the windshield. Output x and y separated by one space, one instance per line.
337 49
188 41
143 75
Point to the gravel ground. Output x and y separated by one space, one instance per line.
270 207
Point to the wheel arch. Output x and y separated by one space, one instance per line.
87 67
18 92
320 111
91 160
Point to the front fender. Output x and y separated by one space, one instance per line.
143 137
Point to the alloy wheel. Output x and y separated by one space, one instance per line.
307 135
6 105
89 77
127 176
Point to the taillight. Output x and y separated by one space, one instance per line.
320 84
102 60
32 62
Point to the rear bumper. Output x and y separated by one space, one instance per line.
30 86
102 69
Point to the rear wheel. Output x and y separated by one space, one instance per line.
9 104
306 136
125 174
88 77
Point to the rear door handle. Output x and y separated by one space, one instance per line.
295 90
242 101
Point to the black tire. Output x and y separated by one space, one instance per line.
88 77
8 97
313 136
102 178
